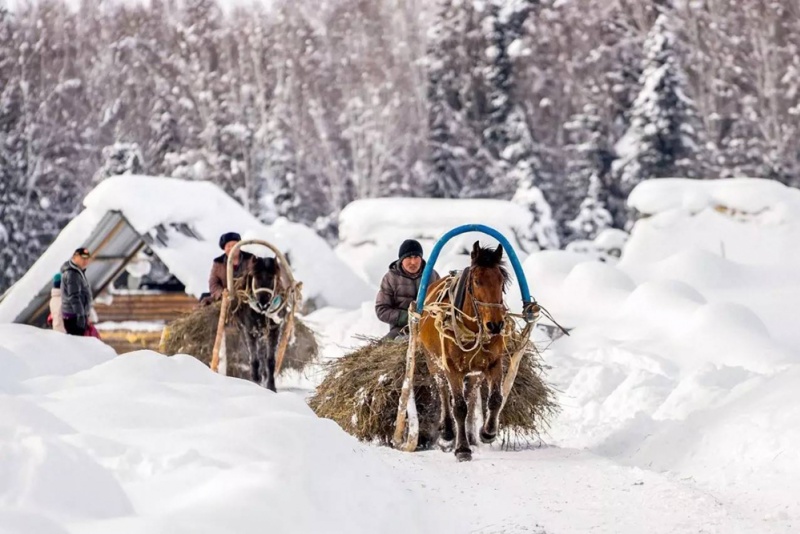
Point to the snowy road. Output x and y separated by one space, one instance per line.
554 491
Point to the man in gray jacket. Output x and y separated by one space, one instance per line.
76 293
399 287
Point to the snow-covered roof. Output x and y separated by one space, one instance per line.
371 230
181 221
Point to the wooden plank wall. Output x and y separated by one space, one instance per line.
146 307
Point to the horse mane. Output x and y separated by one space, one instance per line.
487 259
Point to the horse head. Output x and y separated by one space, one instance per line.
263 278
488 279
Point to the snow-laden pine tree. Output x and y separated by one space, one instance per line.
120 158
516 166
665 137
589 159
444 95
42 127
593 217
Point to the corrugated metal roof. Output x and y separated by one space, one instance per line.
113 243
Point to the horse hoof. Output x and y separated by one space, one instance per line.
464 456
472 440
488 438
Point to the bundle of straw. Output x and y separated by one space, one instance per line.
194 334
361 392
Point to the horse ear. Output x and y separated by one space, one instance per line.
498 253
476 250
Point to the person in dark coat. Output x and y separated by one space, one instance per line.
76 293
218 279
399 287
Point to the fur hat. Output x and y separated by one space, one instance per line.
227 237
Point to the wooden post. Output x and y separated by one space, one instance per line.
286 334
218 340
407 407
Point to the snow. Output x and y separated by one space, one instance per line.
371 231
138 326
679 387
685 357
163 445
209 212
748 195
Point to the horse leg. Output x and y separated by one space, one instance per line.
446 432
252 350
472 392
494 377
272 348
459 403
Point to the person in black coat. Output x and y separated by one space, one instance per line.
76 293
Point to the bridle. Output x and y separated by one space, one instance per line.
277 301
464 338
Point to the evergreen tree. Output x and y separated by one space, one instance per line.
120 158
445 84
665 136
589 160
592 217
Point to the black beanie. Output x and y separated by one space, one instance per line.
227 238
410 247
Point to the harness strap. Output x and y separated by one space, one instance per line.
461 288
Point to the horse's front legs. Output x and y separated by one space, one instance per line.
446 432
472 392
460 410
494 377
271 350
253 352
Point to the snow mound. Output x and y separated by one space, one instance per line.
163 445
746 195
685 356
748 221
371 230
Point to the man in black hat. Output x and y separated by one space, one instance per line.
218 279
399 287
76 293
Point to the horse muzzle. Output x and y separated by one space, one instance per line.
495 327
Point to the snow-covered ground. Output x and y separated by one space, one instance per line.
143 443
680 394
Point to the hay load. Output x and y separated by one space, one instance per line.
194 334
361 392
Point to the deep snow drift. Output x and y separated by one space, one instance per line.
94 443
685 357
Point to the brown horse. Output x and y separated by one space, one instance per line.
465 343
